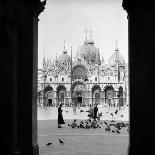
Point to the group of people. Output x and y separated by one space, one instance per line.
93 111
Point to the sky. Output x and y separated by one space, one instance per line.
67 20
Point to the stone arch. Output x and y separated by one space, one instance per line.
109 94
120 96
80 72
48 95
61 94
78 91
48 89
96 94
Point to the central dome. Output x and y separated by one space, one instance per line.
88 52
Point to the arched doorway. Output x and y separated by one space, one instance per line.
47 95
96 94
61 94
109 95
79 93
49 98
120 96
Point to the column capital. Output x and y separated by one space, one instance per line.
132 6
38 8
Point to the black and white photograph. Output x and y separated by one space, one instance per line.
83 88
77 77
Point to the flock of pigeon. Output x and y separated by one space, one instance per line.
86 124
110 127
115 127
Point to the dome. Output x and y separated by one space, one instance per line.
64 58
114 57
88 52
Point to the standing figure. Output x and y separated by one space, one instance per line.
60 117
95 111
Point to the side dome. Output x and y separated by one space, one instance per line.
64 58
116 57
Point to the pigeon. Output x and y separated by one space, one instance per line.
81 110
61 142
113 131
48 144
118 131
107 128
121 116
116 111
105 123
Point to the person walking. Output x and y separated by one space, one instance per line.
95 111
60 117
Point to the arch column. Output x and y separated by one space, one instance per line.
141 23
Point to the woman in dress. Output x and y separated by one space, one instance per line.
60 117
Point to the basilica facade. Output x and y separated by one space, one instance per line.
84 80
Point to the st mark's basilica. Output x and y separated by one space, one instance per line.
85 79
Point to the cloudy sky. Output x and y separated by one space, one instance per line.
68 19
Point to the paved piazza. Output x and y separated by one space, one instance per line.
81 141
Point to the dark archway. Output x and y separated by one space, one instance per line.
80 72
61 94
120 96
109 94
78 90
96 94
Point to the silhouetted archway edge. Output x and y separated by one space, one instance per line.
38 7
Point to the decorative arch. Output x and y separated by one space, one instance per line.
80 72
109 94
78 91
47 89
61 94
48 95
120 95
96 89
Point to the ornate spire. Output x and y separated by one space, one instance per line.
116 49
65 51
91 32
86 32
44 61
64 44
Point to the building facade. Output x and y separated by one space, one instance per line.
84 80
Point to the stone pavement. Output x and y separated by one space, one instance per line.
80 141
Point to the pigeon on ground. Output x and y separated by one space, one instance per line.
48 144
107 128
113 131
121 116
111 114
105 123
118 131
61 142
116 111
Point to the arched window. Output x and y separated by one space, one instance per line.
62 79
50 79
96 79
